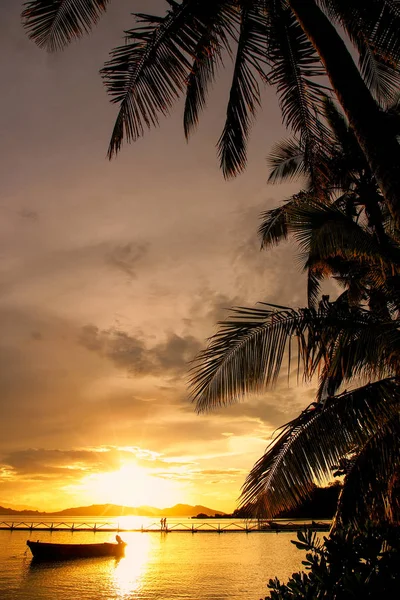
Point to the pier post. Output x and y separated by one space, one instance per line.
94 529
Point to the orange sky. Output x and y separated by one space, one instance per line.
112 277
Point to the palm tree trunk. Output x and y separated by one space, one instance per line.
373 132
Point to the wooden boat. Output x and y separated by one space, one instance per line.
50 551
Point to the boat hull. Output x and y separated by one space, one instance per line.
49 551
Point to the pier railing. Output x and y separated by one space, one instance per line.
208 527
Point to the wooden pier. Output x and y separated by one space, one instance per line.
254 527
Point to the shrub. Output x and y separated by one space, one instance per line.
347 565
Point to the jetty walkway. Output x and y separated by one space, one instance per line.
247 527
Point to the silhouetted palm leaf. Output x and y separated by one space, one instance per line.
367 489
246 354
208 56
307 448
244 94
53 24
286 161
166 55
371 23
294 69
276 222
147 75
382 78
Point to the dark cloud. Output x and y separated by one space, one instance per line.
280 278
59 463
126 257
36 335
208 307
28 214
132 353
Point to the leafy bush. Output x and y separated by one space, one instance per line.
347 565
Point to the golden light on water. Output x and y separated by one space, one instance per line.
130 571
132 485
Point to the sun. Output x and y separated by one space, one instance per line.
132 485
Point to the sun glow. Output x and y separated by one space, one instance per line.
132 485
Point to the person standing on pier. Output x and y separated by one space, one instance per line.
161 523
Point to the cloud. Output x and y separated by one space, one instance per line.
59 463
133 353
28 214
275 407
208 307
126 257
80 462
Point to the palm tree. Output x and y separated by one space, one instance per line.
343 231
341 199
288 43
346 344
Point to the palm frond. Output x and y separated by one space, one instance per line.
275 225
307 448
324 231
314 278
53 24
244 95
376 22
382 78
147 75
221 22
384 31
295 69
363 351
366 494
337 121
246 354
286 161
344 154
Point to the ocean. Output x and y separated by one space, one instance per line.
156 566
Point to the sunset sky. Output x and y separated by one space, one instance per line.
113 274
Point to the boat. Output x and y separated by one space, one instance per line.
50 551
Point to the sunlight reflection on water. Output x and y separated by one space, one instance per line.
167 566
129 572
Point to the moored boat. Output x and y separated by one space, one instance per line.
51 551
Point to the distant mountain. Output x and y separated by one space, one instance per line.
20 507
115 510
12 511
185 510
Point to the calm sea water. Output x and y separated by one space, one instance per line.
162 566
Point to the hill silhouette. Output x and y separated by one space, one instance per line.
116 510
